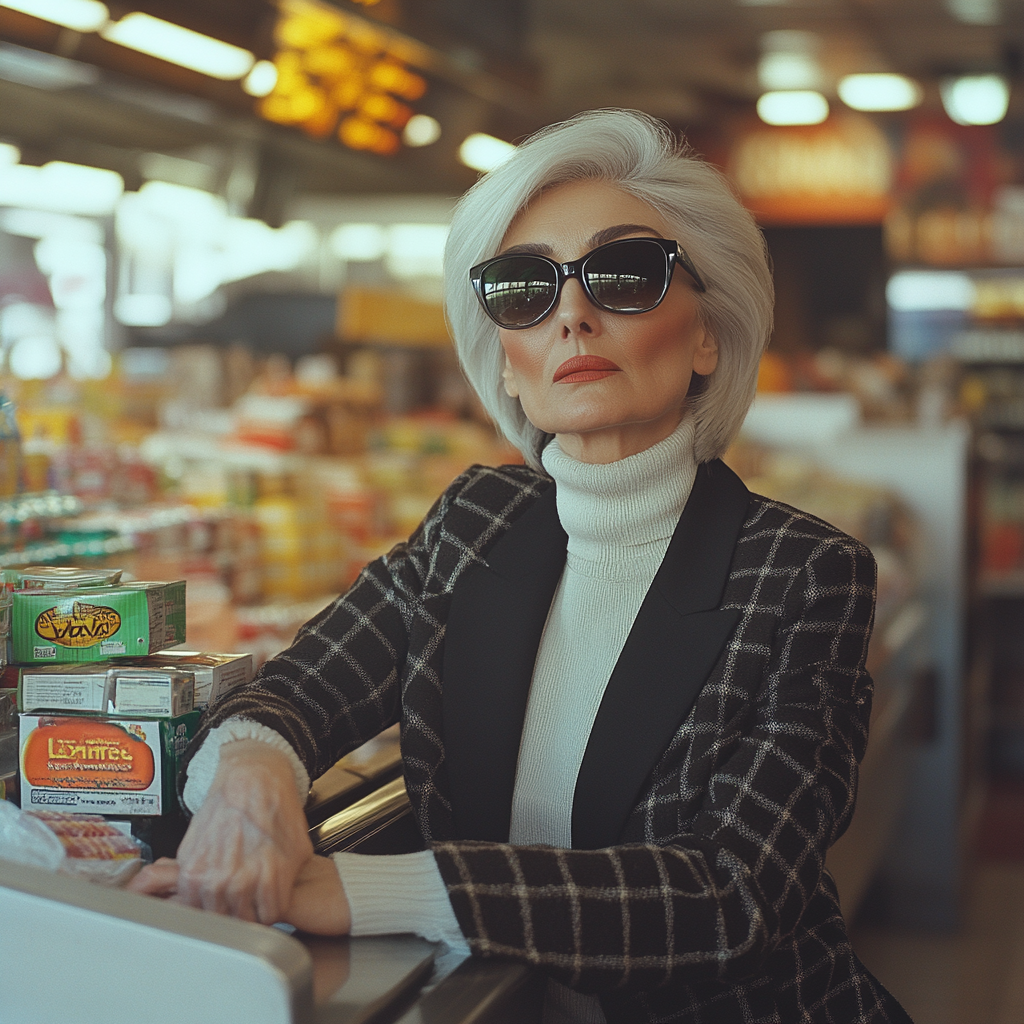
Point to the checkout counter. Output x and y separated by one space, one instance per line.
70 949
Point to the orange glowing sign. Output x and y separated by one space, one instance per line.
839 171
339 74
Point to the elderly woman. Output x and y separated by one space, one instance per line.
632 694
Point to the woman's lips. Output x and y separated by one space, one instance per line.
584 368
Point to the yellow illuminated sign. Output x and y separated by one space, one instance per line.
338 74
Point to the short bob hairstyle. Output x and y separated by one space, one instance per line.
641 156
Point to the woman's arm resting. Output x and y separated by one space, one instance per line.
248 842
711 902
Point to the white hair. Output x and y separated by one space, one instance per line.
641 156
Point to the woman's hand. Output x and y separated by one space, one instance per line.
318 902
247 844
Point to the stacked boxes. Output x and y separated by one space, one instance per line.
105 712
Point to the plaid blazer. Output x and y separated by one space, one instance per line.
720 768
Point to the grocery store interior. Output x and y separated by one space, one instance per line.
224 359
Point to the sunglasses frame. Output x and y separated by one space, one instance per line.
675 255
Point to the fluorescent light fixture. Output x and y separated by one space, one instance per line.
143 310
975 99
879 92
358 243
35 358
788 71
9 155
801 106
44 70
80 15
421 130
484 152
180 46
46 224
975 12
262 79
416 250
61 187
911 291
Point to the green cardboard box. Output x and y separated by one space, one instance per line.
94 624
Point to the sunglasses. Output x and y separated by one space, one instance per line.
630 275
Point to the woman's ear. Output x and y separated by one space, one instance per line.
705 355
509 377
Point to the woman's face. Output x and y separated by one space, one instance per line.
637 396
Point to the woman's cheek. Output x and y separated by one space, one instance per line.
526 361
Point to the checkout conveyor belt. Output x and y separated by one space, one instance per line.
73 949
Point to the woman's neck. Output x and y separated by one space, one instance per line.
610 444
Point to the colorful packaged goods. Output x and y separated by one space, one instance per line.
95 849
104 688
96 623
214 673
105 765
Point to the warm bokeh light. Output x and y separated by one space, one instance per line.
877 92
801 106
339 74
181 46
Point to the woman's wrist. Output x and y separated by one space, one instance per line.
203 768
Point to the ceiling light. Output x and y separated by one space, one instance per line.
879 92
788 71
80 15
975 99
262 79
44 70
143 310
358 242
180 46
61 187
802 106
35 358
929 290
484 152
9 154
975 12
421 130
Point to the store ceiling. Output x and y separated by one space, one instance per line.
506 67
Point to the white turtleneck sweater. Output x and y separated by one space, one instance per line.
619 518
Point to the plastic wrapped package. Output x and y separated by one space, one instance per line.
84 845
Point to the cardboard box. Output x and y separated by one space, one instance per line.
215 673
104 687
102 765
96 624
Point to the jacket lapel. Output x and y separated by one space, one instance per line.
497 615
675 641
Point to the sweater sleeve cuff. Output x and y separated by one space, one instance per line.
203 766
399 893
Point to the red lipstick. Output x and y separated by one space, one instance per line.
583 368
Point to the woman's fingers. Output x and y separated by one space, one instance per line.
248 841
157 879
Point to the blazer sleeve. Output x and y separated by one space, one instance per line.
712 902
338 684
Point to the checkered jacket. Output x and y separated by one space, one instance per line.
695 890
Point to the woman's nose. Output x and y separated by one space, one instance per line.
576 313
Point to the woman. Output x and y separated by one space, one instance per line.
632 694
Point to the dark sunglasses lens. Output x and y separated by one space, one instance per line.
518 290
629 276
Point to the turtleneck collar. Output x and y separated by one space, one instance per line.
619 507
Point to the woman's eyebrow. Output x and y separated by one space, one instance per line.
618 230
528 249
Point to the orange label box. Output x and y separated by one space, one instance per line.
102 765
